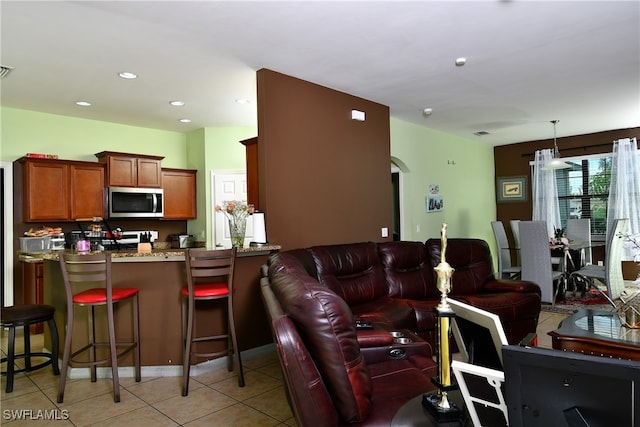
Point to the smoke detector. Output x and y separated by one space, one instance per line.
4 71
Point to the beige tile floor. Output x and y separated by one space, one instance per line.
214 398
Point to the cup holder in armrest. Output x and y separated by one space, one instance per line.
397 353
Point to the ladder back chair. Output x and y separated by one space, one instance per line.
209 277
92 274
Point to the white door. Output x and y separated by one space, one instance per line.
228 185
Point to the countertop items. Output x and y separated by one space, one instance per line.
154 255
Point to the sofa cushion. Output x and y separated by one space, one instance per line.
386 312
353 271
327 328
471 260
408 270
518 311
297 261
306 390
397 382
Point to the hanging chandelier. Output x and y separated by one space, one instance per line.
556 162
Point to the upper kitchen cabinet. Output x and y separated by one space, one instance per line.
87 190
60 190
179 187
132 170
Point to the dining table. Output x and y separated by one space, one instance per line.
570 257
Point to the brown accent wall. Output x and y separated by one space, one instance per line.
513 160
323 177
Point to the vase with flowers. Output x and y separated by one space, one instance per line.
632 243
236 213
559 239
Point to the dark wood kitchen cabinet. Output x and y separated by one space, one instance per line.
87 195
132 170
180 193
251 145
60 190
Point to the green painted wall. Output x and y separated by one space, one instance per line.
79 139
210 150
467 186
464 171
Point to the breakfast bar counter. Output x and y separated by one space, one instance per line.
159 275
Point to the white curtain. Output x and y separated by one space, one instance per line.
545 193
624 194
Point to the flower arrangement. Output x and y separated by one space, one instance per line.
236 212
632 243
559 238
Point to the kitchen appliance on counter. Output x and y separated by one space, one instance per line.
181 241
128 239
57 242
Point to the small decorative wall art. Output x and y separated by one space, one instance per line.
512 189
434 200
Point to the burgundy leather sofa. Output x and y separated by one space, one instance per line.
336 374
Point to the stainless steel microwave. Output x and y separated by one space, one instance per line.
126 202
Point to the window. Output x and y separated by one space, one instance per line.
583 191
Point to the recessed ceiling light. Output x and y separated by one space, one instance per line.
427 111
185 120
83 103
177 103
128 75
460 62
243 101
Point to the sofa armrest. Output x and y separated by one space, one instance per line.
374 337
521 286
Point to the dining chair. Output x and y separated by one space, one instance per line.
535 258
209 277
87 282
611 272
505 269
515 230
579 231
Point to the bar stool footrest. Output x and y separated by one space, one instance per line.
33 367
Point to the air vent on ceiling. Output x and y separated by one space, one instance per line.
481 133
4 71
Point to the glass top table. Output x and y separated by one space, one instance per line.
599 333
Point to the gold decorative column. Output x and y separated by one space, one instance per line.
438 403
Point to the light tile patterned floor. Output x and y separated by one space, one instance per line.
214 398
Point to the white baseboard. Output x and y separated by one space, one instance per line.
170 370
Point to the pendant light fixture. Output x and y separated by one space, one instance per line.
556 162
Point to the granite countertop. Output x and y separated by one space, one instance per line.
154 255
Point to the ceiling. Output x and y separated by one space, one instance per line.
528 62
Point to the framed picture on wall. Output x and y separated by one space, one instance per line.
433 201
512 189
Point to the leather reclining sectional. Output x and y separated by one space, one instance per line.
339 374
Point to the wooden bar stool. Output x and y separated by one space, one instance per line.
209 277
94 270
24 316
